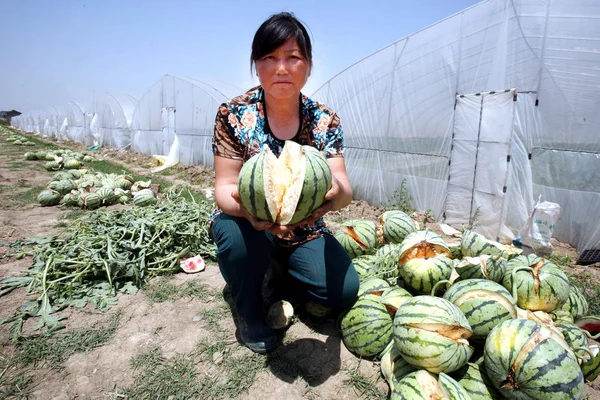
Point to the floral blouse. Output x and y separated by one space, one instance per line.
242 131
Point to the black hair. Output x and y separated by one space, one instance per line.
277 30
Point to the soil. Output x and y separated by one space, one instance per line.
313 363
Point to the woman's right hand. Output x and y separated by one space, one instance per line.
256 223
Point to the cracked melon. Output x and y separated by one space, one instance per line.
285 189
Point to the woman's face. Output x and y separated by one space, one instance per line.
283 72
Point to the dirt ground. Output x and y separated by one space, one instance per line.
313 363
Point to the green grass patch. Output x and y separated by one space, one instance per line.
560 260
28 195
54 347
13 386
161 289
212 316
363 386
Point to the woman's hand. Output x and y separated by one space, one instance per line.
256 223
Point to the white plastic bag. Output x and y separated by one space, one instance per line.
538 230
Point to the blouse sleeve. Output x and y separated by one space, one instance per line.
225 142
334 138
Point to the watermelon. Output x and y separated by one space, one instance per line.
424 261
484 303
542 286
49 197
591 367
144 198
284 190
63 186
576 304
525 360
474 244
366 327
372 286
393 367
431 333
357 237
473 379
589 323
422 385
574 336
364 266
386 261
393 297
393 226
481 267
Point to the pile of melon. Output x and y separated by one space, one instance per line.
56 160
81 188
475 321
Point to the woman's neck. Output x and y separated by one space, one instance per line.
283 116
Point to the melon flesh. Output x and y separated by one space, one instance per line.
284 181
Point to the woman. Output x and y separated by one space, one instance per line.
267 115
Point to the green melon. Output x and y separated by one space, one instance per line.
144 198
357 237
393 367
49 197
577 305
545 287
484 303
473 379
431 333
387 257
393 226
574 336
285 189
591 367
525 360
481 267
422 385
366 327
364 266
372 285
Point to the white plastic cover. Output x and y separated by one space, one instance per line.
405 120
183 109
109 116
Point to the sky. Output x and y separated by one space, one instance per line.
55 51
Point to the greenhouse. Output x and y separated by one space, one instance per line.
76 126
110 118
175 118
481 115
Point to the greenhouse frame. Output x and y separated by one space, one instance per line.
176 116
480 115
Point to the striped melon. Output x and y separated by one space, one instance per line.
285 189
543 287
473 245
424 261
393 226
473 379
574 336
591 367
49 197
576 304
364 266
431 333
90 200
372 286
144 198
357 237
393 367
422 385
482 267
366 327
484 303
393 297
386 260
63 186
525 360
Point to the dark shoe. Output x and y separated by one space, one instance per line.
256 335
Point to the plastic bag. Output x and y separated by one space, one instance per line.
539 228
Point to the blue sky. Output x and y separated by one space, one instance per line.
56 51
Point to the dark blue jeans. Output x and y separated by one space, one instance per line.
319 270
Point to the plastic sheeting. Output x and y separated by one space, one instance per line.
421 111
175 118
110 116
